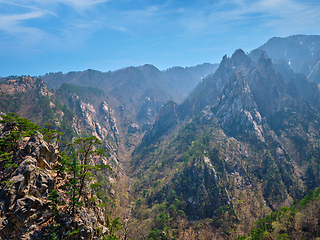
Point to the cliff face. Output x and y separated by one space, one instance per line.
25 197
165 120
86 115
23 85
237 112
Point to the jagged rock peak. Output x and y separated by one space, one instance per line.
238 53
264 61
236 109
240 58
265 67
225 62
237 83
239 61
235 95
169 107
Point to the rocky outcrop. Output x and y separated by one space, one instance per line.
206 92
166 119
45 154
24 198
133 128
110 119
100 122
148 112
23 85
236 109
300 51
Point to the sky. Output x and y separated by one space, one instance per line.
42 36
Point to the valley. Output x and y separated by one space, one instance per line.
214 151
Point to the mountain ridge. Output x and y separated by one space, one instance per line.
246 104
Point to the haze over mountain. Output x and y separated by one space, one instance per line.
300 52
139 92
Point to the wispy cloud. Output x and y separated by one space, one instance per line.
220 17
10 23
78 4
134 25
29 7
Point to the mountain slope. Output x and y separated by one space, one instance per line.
75 116
241 145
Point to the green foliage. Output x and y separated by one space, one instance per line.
14 129
263 227
113 225
84 93
77 164
74 232
50 134
287 222
17 128
311 195
10 103
8 183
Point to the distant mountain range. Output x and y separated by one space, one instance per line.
300 52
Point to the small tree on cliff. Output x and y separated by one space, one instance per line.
82 151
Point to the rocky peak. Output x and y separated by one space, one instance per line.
225 62
99 121
265 67
236 109
241 60
206 92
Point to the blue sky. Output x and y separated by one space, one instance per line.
40 36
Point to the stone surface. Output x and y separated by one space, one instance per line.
24 202
23 85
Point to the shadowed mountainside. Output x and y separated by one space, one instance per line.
243 144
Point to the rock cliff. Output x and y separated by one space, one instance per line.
25 211
23 85
237 111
